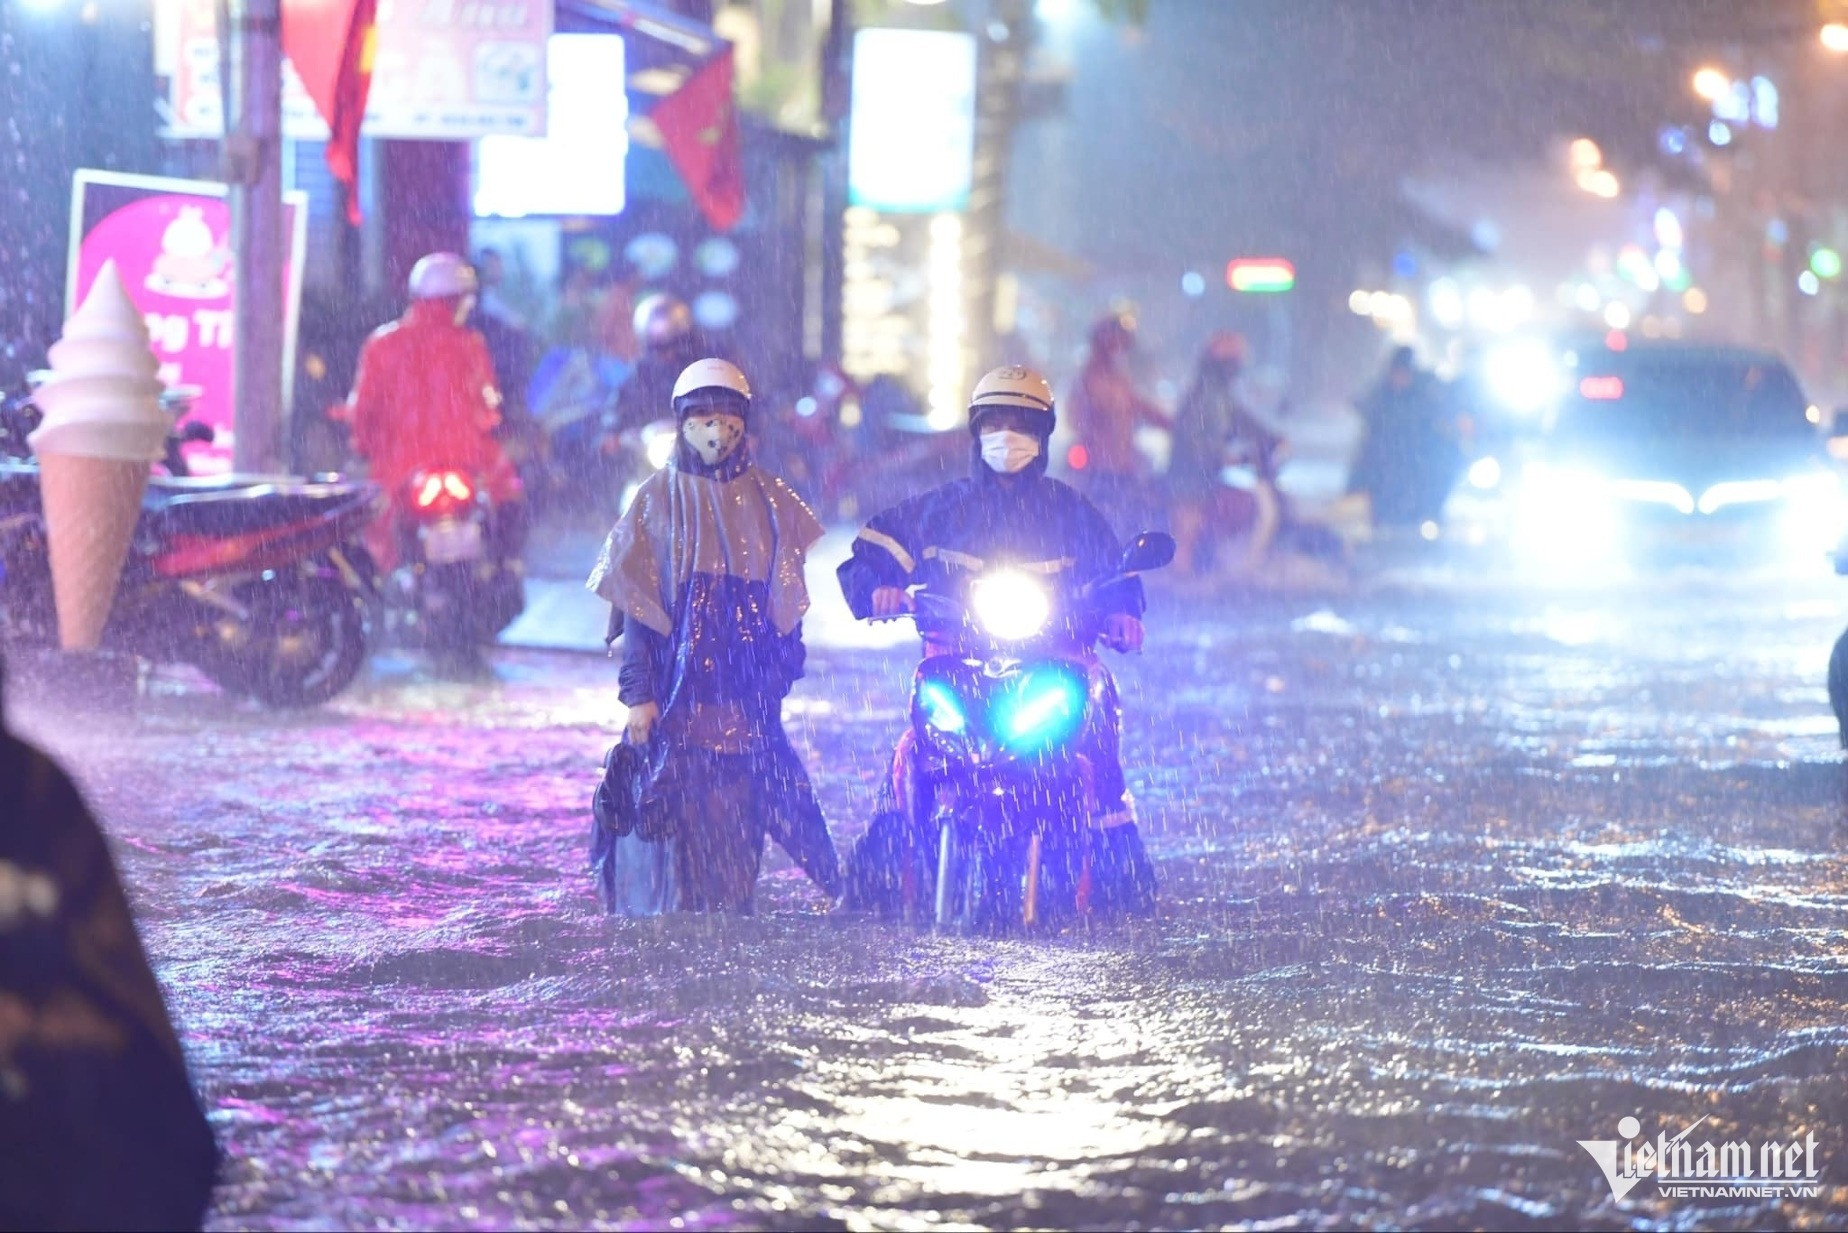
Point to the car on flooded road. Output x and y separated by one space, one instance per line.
1642 452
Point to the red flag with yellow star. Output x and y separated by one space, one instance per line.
330 43
698 124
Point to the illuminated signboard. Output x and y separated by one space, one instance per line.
1260 275
441 71
577 167
913 128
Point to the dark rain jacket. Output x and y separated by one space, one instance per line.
99 1127
1028 520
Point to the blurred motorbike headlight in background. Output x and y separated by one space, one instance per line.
1010 605
1523 376
658 441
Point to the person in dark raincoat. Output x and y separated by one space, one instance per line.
1008 510
705 571
1410 457
99 1127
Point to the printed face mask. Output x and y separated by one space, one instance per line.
1009 452
713 435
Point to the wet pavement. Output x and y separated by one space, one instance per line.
1456 874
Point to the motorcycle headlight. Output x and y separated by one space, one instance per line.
1011 606
1045 708
942 709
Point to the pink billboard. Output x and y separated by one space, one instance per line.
171 242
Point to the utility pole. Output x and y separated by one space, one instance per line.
1004 32
253 169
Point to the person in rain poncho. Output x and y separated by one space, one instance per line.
704 573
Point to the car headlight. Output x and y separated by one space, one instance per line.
1816 511
1565 515
1010 605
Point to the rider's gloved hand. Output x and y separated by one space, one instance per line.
1123 632
891 602
642 717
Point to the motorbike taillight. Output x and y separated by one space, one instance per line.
439 494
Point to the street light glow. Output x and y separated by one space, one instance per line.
1835 37
1712 84
1585 155
1600 183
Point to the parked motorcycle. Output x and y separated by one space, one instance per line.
261 583
459 580
1001 833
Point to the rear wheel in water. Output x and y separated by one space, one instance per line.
302 642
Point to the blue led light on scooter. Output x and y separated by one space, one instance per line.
942 711
1042 710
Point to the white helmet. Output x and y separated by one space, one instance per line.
711 374
1013 386
440 275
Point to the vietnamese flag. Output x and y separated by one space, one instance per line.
699 130
330 43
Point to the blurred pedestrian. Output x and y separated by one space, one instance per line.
99 1126
1410 456
510 347
1106 411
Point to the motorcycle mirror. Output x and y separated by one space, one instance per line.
1149 550
196 431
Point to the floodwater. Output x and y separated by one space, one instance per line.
1455 876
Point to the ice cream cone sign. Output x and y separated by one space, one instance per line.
103 426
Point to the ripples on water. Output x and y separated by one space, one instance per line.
1450 885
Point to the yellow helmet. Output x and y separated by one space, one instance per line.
1013 386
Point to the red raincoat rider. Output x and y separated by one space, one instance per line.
425 397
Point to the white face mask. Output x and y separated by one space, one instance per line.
1009 452
713 435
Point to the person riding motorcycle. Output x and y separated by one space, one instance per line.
425 396
1106 411
666 344
1008 509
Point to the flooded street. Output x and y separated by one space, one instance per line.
1455 875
